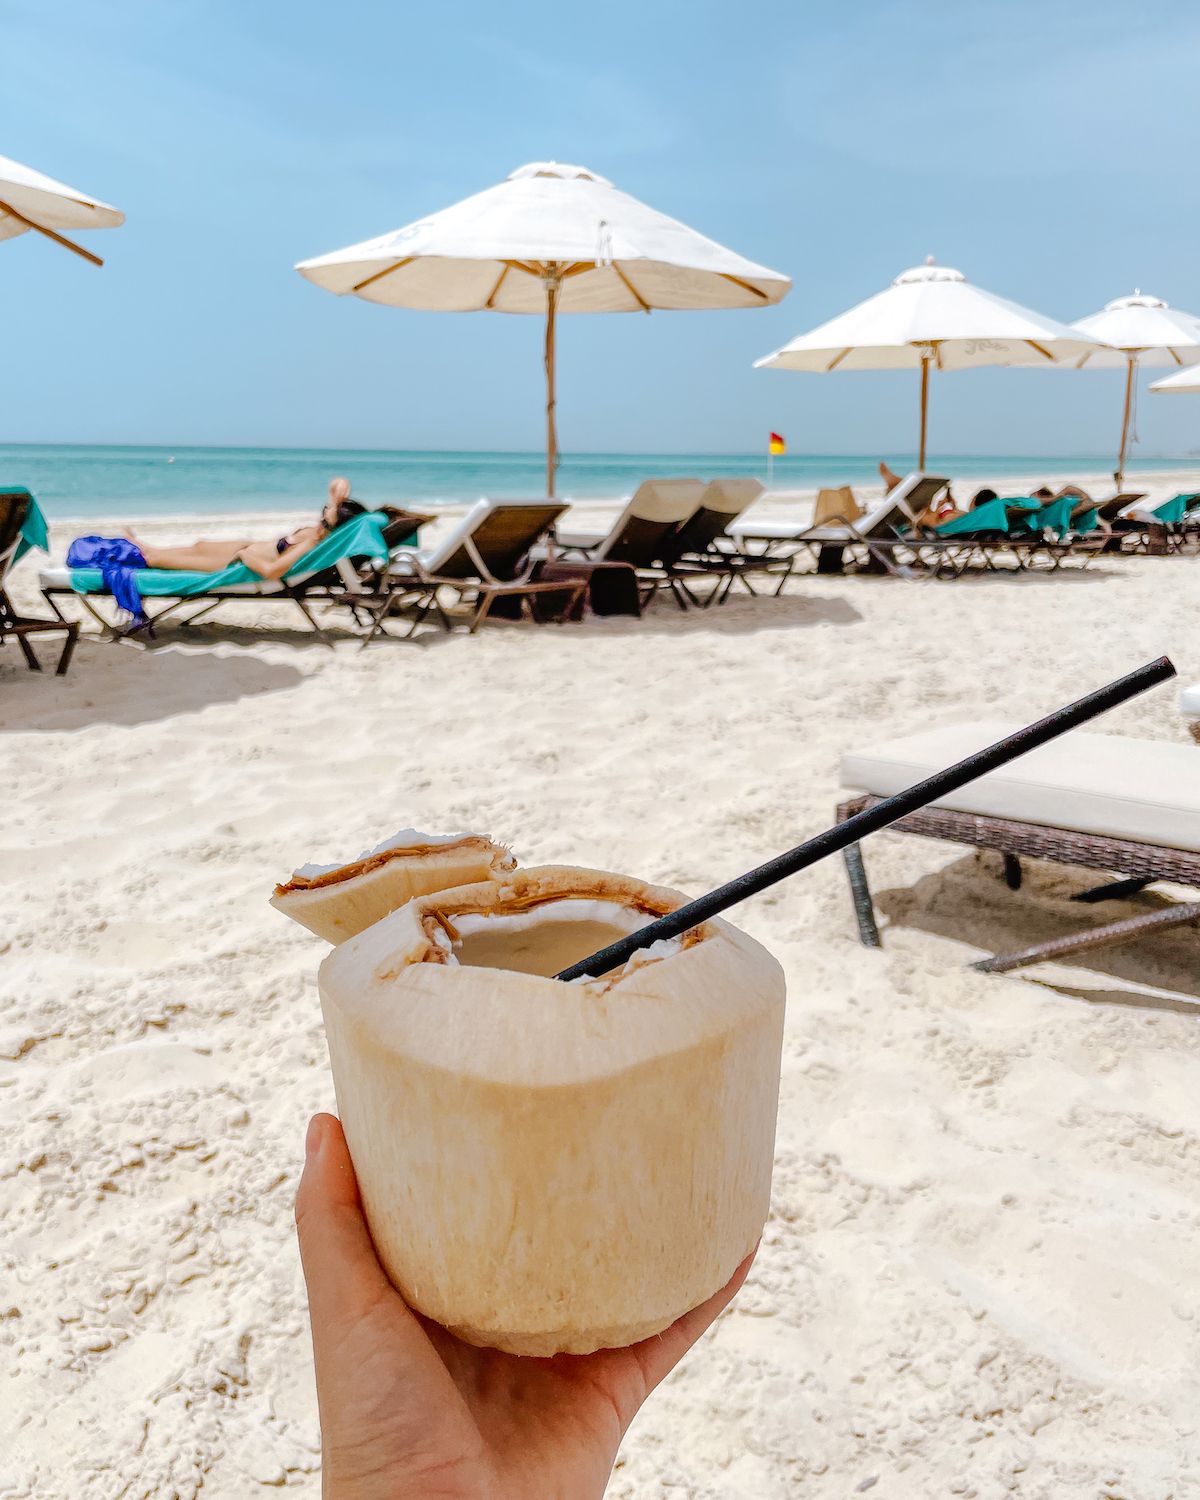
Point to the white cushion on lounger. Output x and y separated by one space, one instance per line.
1189 701
1146 790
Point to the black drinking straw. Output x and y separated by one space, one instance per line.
871 819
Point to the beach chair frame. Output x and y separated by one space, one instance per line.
503 541
1135 863
341 583
14 508
701 547
880 546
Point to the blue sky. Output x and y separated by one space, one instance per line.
839 144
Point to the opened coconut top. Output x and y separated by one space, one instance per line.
541 920
407 844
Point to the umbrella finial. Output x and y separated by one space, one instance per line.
929 261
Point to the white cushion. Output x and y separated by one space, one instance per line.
1145 790
1189 701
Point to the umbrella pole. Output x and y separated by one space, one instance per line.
1120 474
551 400
924 408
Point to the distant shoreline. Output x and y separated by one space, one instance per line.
84 484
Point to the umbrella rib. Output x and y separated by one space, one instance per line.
59 239
504 270
633 291
746 286
833 364
379 275
1034 345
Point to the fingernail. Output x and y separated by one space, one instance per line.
312 1141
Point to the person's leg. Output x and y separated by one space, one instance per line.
890 478
198 557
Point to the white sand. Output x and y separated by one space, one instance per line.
978 1275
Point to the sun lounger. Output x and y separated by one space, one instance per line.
701 547
653 511
23 527
1002 533
488 555
875 540
1128 807
1157 530
341 564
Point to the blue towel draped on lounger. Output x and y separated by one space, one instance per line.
119 562
361 536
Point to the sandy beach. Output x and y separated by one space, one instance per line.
977 1275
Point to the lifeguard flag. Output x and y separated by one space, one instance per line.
776 445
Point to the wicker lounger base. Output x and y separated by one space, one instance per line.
1138 864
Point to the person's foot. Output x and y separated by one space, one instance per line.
130 535
890 478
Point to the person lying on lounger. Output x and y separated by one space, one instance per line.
269 559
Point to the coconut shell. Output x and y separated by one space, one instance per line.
552 1167
338 902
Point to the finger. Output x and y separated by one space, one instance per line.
658 1356
341 1267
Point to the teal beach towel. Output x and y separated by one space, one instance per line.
361 536
33 529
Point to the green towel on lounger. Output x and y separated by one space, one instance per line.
361 536
1172 511
33 528
992 515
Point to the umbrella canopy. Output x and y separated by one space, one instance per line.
931 315
1182 380
1140 330
31 200
548 239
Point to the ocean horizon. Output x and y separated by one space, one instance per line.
81 481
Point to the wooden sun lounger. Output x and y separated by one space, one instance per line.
644 534
15 505
874 541
340 583
702 548
1084 782
486 557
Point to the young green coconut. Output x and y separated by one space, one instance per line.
336 901
551 1167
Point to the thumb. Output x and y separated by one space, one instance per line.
341 1268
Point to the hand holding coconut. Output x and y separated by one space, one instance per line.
562 1183
407 1409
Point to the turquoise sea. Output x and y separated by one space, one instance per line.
82 482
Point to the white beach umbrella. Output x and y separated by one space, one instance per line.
1183 380
31 200
549 239
930 316
1140 330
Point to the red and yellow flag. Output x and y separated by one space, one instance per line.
776 445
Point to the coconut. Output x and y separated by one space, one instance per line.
336 901
551 1167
